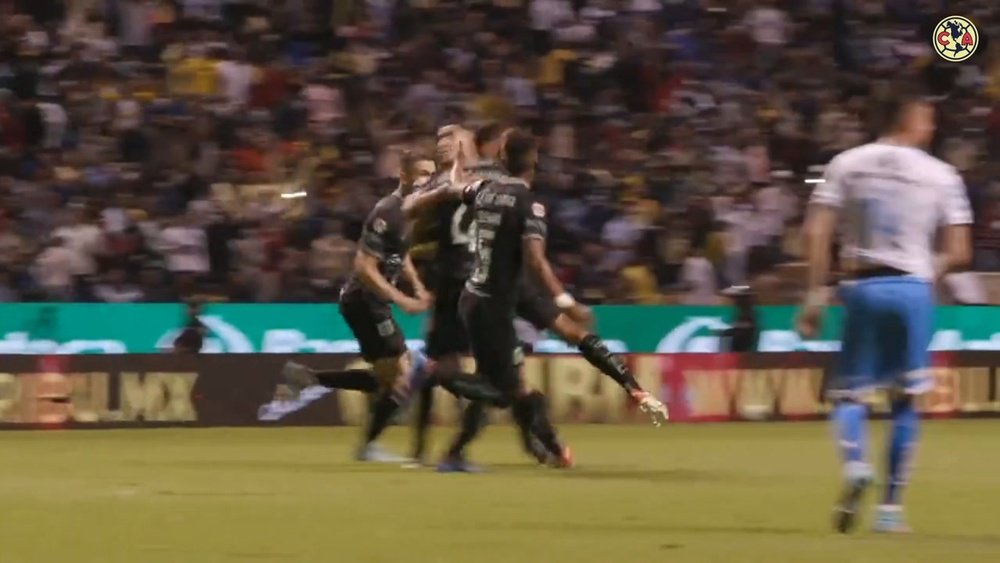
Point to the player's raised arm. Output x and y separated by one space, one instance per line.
418 203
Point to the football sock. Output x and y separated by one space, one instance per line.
595 352
425 403
473 421
905 429
474 388
349 380
531 413
383 410
524 431
850 422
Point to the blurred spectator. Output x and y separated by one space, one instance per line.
698 279
232 148
192 335
639 284
55 269
83 238
116 289
987 240
184 245
8 291
331 257
621 234
156 286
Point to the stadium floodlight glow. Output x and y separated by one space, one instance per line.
293 195
815 181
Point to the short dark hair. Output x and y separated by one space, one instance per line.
517 145
890 109
487 134
409 159
447 130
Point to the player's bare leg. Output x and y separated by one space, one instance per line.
598 355
396 377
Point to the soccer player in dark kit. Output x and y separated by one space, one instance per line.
509 233
383 254
443 240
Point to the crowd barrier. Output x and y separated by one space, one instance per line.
150 390
69 328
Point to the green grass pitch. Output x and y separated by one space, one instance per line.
705 493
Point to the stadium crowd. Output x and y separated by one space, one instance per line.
152 150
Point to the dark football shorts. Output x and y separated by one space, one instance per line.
378 334
446 333
535 307
495 347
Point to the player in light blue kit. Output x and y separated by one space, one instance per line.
890 202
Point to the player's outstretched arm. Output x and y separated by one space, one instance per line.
421 202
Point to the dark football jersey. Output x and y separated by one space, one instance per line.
505 213
386 237
425 227
443 236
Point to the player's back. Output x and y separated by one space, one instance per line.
442 237
893 199
504 216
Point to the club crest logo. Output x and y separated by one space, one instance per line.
955 39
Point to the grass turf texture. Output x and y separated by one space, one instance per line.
749 492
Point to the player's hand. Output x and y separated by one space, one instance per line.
808 321
422 294
414 305
652 406
457 175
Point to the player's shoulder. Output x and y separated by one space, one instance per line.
857 156
389 208
940 169
511 184
488 170
390 202
910 158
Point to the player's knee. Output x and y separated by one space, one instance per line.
568 329
505 401
388 371
448 366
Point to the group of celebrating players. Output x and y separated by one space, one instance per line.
903 218
466 234
479 235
